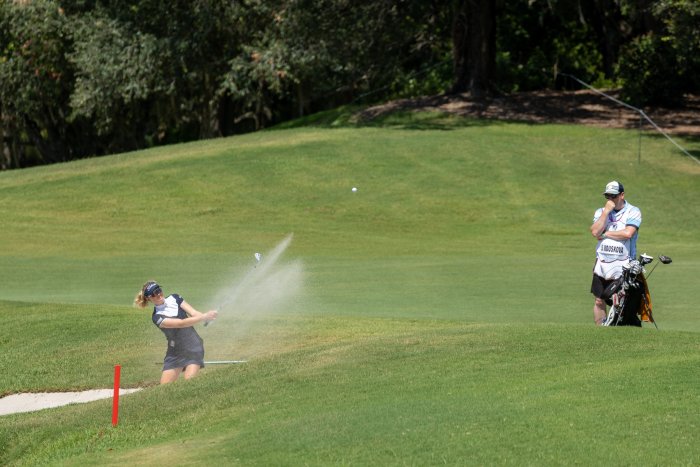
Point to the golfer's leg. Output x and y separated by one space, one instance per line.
191 370
169 376
599 311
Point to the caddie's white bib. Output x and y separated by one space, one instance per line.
613 250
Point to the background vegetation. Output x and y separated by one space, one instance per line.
80 78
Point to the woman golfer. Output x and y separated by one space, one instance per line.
176 318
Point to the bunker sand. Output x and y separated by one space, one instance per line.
30 402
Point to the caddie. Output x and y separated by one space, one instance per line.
616 226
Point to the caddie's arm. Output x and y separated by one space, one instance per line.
621 235
598 226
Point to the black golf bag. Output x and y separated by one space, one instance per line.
629 296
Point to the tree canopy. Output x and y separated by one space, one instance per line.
80 78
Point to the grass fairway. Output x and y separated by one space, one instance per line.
444 315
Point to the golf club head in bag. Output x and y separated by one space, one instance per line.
663 259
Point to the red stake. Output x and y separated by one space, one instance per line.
115 398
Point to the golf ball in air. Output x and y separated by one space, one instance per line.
354 188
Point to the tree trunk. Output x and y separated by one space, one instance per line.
51 148
7 158
209 125
474 46
605 18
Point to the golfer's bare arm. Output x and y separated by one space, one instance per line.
189 309
194 317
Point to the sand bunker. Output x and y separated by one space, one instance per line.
30 402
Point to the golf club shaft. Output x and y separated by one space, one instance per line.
652 270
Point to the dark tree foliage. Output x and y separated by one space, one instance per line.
88 77
662 62
35 84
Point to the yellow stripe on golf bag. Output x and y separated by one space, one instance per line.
645 304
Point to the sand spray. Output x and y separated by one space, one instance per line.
253 307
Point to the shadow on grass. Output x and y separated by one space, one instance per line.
354 117
686 140
448 112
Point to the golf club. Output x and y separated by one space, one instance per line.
224 362
663 259
215 362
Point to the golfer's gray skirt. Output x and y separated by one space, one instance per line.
181 361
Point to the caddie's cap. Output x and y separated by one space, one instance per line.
614 188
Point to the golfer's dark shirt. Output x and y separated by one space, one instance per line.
179 339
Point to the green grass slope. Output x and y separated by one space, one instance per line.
444 314
388 392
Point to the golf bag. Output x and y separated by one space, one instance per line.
629 296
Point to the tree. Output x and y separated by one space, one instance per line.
606 21
88 77
35 82
310 55
119 80
474 46
194 40
662 63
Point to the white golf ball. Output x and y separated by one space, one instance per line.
354 188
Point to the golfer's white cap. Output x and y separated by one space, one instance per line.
613 188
